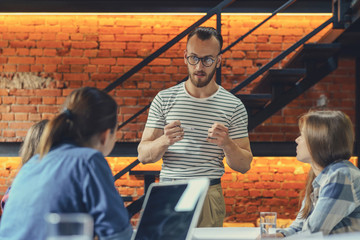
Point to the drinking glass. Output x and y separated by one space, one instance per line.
268 223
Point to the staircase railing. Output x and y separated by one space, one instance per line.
281 56
136 205
216 10
147 60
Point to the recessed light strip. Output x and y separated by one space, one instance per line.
152 14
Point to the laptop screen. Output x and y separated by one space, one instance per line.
170 210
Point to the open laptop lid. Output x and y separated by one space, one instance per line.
171 210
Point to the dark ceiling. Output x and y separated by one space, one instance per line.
239 6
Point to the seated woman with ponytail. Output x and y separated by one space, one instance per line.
70 173
332 196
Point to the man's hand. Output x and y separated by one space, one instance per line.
173 132
218 134
155 141
237 151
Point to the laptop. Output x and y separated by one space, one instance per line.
171 210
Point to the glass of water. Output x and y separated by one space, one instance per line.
69 226
268 223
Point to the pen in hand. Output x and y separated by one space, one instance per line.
184 127
187 128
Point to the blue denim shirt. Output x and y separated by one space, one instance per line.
68 179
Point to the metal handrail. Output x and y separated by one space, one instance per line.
282 8
215 10
168 45
281 56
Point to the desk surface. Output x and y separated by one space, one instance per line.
226 233
251 233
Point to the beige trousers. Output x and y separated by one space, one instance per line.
213 212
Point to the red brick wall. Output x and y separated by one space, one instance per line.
56 54
272 184
61 53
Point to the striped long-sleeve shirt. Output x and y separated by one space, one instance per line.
335 202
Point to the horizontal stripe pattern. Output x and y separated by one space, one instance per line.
194 156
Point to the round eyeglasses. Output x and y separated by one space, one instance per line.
206 61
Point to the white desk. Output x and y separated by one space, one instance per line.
226 233
251 233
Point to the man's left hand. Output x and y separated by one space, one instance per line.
218 134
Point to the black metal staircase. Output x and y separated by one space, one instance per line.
311 64
277 87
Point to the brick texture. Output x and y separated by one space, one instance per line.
76 51
69 52
263 188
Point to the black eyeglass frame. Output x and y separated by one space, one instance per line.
202 60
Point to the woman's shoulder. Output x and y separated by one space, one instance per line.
343 171
76 159
343 166
70 150
68 146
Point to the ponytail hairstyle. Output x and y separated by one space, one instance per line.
329 136
87 111
30 145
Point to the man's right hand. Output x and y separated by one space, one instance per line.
155 141
173 132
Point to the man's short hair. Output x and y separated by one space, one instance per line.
205 33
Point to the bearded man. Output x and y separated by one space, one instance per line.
194 125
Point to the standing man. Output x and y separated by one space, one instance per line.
193 125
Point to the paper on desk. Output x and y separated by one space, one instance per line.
307 235
226 233
191 195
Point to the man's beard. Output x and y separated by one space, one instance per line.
201 84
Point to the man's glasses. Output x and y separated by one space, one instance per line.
206 61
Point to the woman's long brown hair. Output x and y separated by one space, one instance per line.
329 136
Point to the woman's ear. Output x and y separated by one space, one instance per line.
104 136
103 142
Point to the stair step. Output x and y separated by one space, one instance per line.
313 52
145 172
254 101
127 198
276 77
